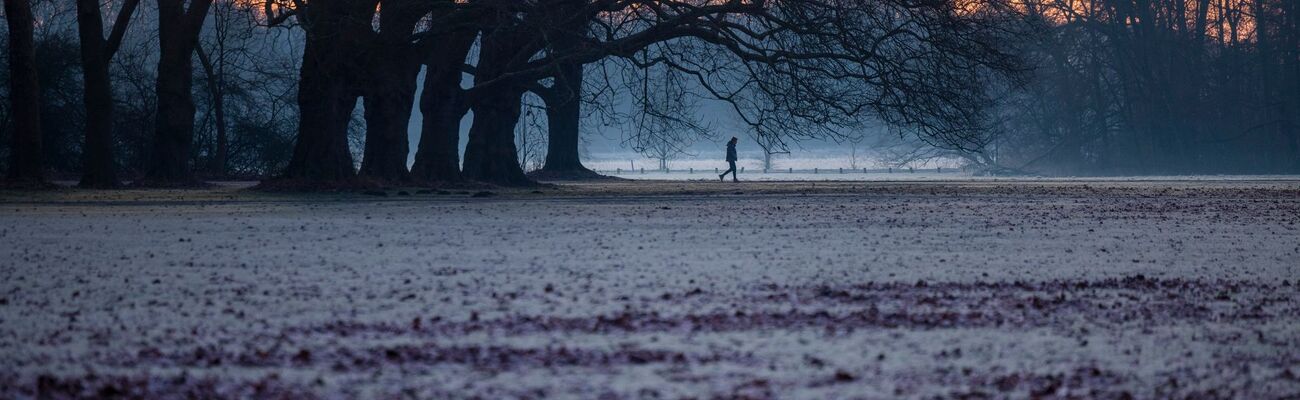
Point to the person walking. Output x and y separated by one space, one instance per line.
731 161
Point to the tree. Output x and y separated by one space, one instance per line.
1124 87
770 148
58 61
662 123
389 89
563 120
507 67
98 169
214 62
26 164
442 105
490 155
920 64
565 31
249 113
801 68
336 31
178 36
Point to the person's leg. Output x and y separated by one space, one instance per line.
732 170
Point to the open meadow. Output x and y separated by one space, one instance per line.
973 289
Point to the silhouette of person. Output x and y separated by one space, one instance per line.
731 161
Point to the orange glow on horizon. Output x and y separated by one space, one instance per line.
1225 20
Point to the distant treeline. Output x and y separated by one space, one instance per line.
1158 87
245 83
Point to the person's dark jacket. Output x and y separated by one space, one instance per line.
731 151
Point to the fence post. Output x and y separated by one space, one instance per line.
911 170
792 170
841 170
814 171
692 170
742 169
938 169
642 170
891 170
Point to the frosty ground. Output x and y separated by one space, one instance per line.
1097 289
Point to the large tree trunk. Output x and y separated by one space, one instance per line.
98 168
388 103
325 104
178 35
490 155
389 93
568 29
564 98
26 164
326 91
563 115
442 106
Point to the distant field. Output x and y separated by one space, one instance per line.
1098 288
798 175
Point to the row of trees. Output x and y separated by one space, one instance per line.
1077 86
1158 86
791 69
244 77
798 68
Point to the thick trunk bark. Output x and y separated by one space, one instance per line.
388 104
326 91
564 98
490 153
325 104
98 167
438 157
563 115
174 124
390 93
442 107
178 35
26 165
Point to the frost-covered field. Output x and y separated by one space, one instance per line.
658 290
801 175
903 175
